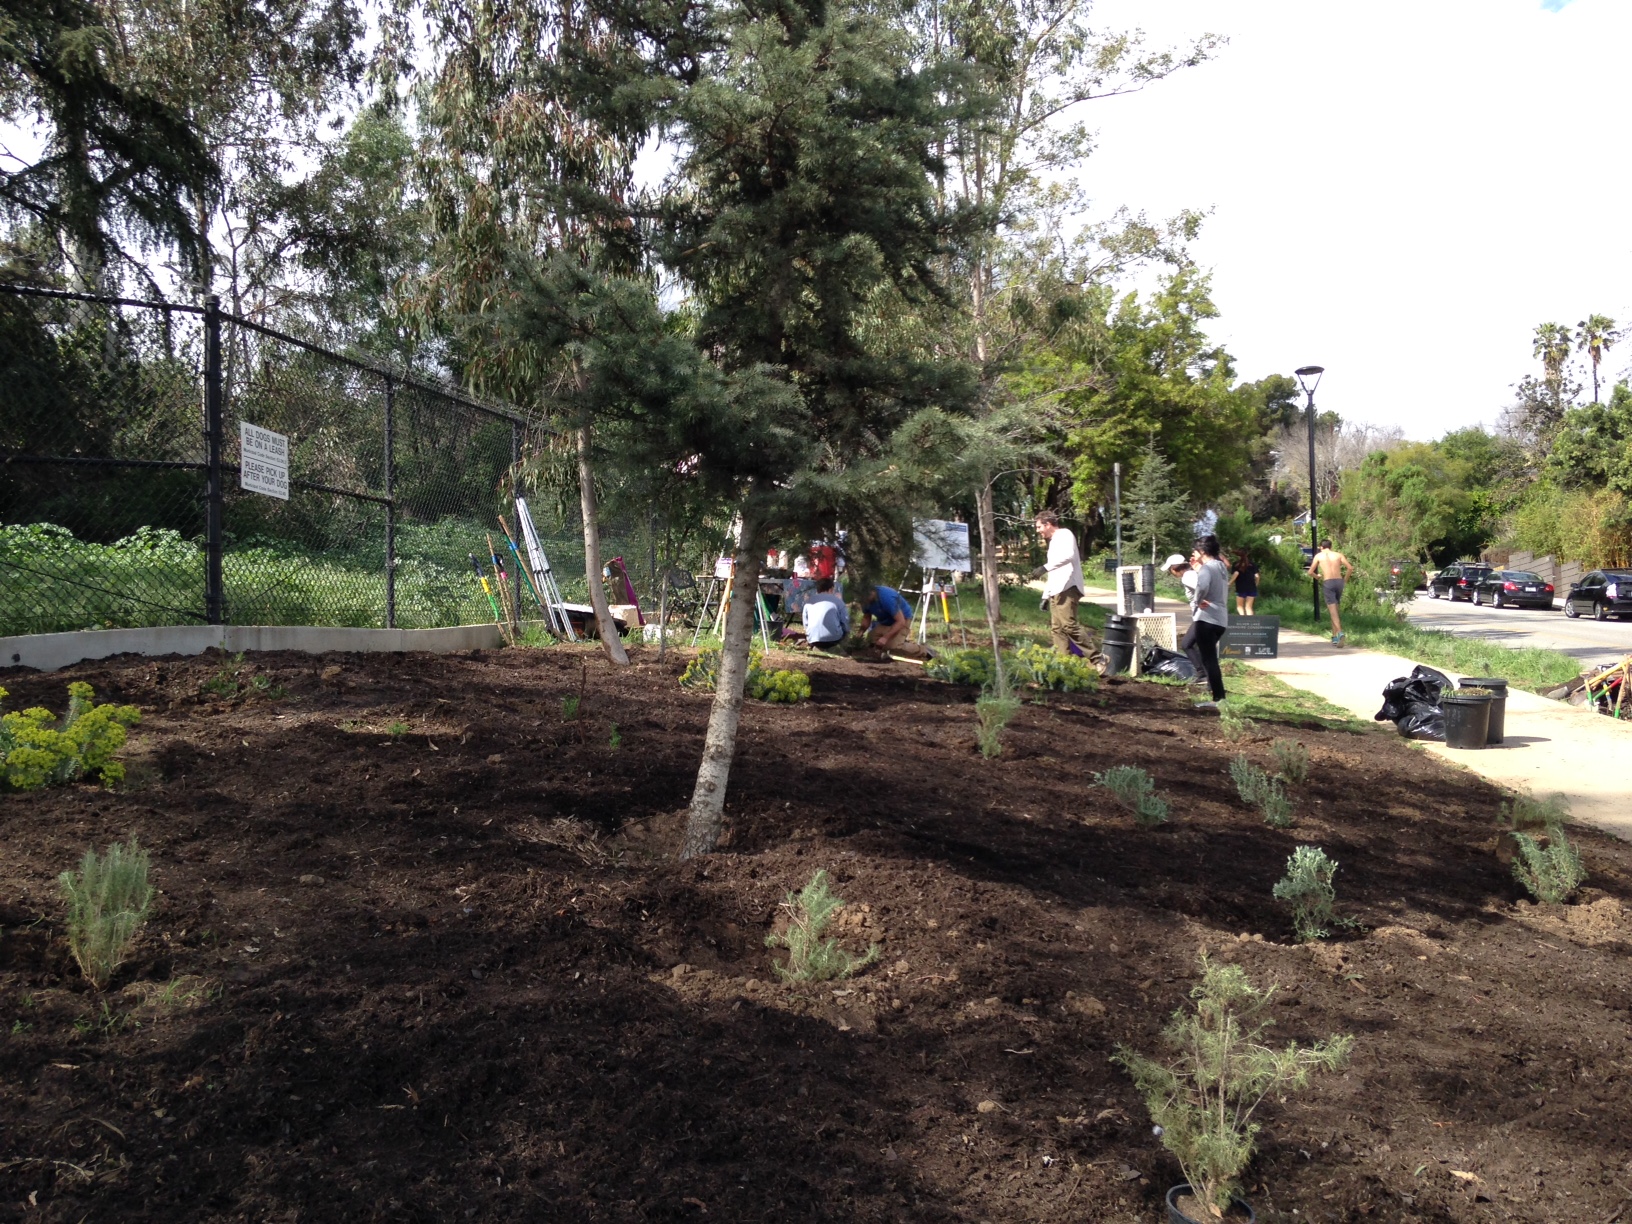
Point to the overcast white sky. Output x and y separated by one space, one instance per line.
1401 190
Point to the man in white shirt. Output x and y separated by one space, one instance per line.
1063 586
827 620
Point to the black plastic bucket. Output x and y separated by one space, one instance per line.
1121 634
1147 589
1467 719
1240 1212
1498 704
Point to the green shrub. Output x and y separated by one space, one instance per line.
108 901
1047 668
703 672
1291 760
1236 727
1307 889
1250 781
1527 814
33 753
1549 873
994 714
1275 807
1030 665
1135 791
783 686
1204 1099
811 958
971 667
1261 791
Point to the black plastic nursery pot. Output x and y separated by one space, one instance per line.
1121 635
1239 1213
1498 704
1467 719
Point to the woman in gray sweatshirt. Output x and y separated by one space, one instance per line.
1209 617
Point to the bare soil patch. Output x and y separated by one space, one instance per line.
422 953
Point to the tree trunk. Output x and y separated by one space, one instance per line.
592 553
988 551
706 820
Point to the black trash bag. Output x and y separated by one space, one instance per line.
1421 720
1423 686
1159 662
1432 683
1411 703
1393 700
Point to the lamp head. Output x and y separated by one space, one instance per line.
1305 374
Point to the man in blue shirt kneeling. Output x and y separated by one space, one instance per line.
886 617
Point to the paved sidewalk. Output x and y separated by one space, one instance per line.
1548 747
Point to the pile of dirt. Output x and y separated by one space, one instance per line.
422 952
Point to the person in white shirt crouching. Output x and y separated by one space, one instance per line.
827 620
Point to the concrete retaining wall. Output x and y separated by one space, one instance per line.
49 651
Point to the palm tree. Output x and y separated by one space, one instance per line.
1595 336
1552 347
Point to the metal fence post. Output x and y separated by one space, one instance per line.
515 478
390 507
214 493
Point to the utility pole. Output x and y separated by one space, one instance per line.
1116 483
1304 374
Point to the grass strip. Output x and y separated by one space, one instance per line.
1255 694
1525 667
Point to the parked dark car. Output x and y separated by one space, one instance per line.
1513 589
1456 581
1601 594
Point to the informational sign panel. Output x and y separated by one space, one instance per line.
941 545
263 461
1252 637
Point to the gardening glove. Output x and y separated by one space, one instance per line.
1039 571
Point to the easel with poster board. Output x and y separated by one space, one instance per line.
724 569
940 545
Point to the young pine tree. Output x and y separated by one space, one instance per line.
1157 509
805 195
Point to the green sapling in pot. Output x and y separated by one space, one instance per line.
1203 1098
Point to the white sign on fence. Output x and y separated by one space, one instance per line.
263 461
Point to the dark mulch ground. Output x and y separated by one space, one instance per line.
454 973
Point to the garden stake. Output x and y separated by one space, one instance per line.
506 595
498 618
526 571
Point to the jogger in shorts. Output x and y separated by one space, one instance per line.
1334 569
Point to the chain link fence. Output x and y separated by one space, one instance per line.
120 491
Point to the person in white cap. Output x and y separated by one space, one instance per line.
1209 616
1185 571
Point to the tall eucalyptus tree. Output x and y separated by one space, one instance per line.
533 115
1029 66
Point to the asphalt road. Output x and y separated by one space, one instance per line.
1593 642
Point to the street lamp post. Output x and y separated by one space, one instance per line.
1305 373
1116 475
